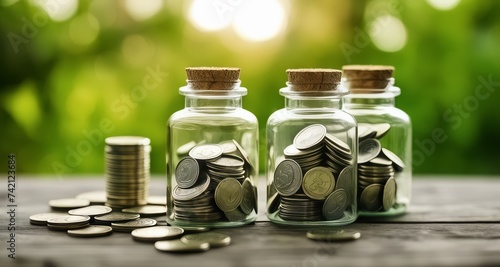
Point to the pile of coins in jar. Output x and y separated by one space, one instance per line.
315 181
213 183
377 167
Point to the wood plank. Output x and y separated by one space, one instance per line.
263 243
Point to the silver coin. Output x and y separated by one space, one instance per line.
68 203
292 151
381 129
184 149
241 152
273 203
68 220
365 131
248 201
397 162
227 162
228 147
228 194
389 196
195 229
94 210
186 172
94 197
190 193
368 150
65 227
371 198
42 218
206 152
378 161
236 215
179 246
213 238
131 225
310 136
335 205
332 235
147 210
116 216
156 233
127 141
288 177
346 180
338 144
91 231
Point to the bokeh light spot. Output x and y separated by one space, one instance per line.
443 4
143 10
84 29
388 33
260 20
58 10
211 15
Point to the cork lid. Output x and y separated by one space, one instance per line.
367 76
308 80
213 78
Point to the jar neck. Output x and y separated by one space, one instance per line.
212 103
369 101
313 103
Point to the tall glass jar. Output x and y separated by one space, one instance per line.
312 152
212 153
384 160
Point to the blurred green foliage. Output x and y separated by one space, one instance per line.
63 81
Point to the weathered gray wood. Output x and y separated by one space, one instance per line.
412 243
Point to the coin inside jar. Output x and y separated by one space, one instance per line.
318 183
186 172
288 177
228 194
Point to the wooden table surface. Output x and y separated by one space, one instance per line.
453 221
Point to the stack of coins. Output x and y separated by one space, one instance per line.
127 171
377 167
209 183
308 181
338 154
307 149
64 223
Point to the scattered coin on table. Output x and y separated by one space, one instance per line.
68 203
213 238
179 246
91 231
157 233
332 235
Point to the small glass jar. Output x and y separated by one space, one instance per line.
384 159
212 153
312 152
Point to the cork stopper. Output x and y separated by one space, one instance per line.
362 78
213 78
308 80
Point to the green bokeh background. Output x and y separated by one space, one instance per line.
68 77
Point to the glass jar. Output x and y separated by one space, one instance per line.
212 153
312 152
384 159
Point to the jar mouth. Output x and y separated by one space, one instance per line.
373 92
330 90
213 88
